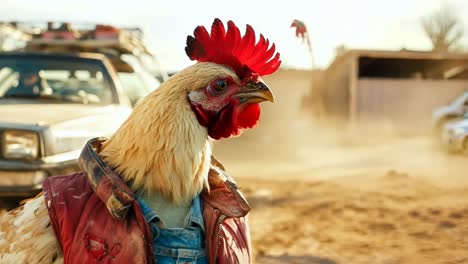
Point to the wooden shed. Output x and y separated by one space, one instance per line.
399 87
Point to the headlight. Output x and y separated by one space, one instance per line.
20 144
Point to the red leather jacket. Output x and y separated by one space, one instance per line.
97 220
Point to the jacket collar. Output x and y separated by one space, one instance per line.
118 197
107 185
224 194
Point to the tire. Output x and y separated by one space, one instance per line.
9 203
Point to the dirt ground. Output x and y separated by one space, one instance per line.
399 220
325 197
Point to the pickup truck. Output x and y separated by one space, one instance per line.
50 105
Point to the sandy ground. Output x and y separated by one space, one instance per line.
361 198
398 220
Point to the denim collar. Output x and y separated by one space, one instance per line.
196 213
194 216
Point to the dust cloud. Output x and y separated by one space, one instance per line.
325 195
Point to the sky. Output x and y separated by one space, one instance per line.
356 24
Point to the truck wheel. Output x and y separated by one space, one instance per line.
9 203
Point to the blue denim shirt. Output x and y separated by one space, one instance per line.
178 245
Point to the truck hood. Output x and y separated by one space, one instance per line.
45 114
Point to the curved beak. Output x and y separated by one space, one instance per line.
255 92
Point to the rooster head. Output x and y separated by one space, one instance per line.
229 99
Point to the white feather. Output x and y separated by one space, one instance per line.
26 235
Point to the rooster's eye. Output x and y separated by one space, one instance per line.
220 85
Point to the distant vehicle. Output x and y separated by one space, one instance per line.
50 105
451 112
455 135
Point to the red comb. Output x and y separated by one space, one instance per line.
242 54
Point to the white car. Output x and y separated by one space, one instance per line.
455 135
451 112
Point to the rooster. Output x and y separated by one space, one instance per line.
162 150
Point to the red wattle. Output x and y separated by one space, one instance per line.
222 125
232 119
248 116
229 121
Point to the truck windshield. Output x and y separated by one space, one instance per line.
75 80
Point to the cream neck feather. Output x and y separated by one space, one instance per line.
161 147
